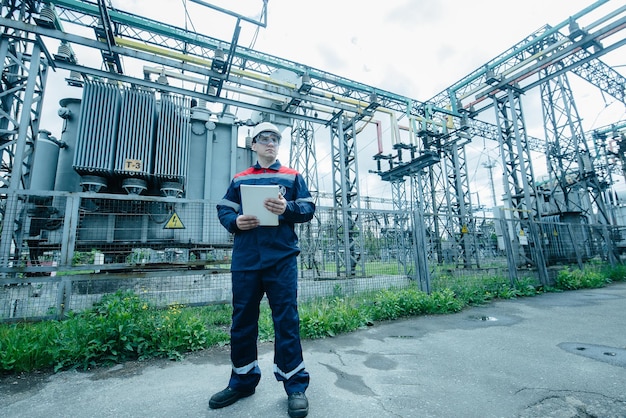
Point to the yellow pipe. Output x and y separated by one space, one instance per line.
196 60
203 81
238 90
242 73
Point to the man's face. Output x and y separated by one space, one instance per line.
266 145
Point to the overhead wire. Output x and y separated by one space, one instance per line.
188 16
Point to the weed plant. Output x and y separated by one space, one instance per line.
123 327
572 279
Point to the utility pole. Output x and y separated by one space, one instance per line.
490 164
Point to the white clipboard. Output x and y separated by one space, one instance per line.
252 197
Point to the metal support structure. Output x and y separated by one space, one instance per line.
519 181
349 244
489 165
431 190
109 57
402 230
459 204
609 145
302 157
433 195
24 67
569 157
421 245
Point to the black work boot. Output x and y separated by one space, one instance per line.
297 405
227 397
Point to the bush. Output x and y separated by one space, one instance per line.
615 273
481 291
394 304
580 279
329 317
25 347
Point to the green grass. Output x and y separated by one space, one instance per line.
123 327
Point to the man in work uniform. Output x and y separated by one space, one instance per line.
264 261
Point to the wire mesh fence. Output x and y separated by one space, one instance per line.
70 249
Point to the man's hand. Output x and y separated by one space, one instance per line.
246 222
276 206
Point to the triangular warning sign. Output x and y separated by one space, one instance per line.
174 222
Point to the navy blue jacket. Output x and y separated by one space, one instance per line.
263 246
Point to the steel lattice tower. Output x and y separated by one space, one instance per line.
24 69
519 181
349 245
401 226
302 157
569 157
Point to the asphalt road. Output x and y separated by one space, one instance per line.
554 355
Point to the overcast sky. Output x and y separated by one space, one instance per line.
415 48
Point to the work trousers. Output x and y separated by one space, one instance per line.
280 284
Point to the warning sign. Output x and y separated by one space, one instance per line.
174 222
523 239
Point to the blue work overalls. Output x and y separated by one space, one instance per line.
264 261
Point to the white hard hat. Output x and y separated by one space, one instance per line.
265 127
